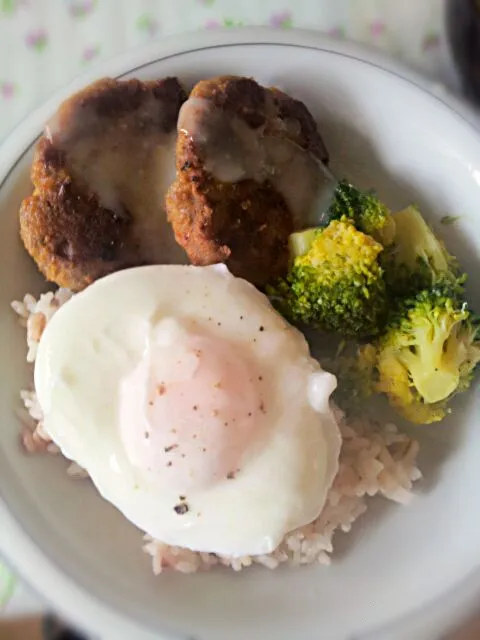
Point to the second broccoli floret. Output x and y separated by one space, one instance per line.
337 284
428 354
417 259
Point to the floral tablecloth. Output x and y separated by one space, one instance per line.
45 43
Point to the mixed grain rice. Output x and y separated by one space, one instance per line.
374 460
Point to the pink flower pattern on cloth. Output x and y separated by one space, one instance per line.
47 43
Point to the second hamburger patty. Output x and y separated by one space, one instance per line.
247 168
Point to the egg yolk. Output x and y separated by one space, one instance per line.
191 409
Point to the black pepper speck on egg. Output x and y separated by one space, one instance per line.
181 509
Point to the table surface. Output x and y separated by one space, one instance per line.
45 43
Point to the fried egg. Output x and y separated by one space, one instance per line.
193 405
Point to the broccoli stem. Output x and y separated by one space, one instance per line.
300 242
434 381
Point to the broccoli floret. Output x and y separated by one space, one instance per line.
364 209
417 259
355 367
337 284
427 355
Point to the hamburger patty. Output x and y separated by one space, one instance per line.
100 173
247 166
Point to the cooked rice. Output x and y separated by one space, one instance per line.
374 460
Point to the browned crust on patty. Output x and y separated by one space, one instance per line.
72 238
245 224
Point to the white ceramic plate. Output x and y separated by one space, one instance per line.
385 131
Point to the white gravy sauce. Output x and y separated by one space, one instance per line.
233 151
128 162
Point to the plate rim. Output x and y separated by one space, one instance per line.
13 149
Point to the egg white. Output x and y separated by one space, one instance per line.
98 338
